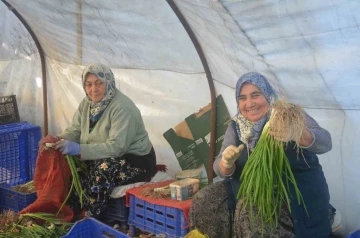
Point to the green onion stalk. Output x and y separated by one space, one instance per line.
265 180
74 163
25 226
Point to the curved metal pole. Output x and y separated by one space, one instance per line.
200 52
42 59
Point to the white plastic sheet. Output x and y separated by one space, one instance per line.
309 50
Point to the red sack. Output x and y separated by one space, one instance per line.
52 180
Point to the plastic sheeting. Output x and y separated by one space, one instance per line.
309 50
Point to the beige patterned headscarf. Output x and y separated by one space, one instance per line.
105 74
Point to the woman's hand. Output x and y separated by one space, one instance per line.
286 135
283 135
67 147
230 155
48 139
306 138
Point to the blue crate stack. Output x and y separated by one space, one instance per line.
18 153
156 219
91 228
117 210
355 234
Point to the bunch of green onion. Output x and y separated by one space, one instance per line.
267 174
74 163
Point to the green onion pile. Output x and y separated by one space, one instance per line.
15 225
25 188
25 225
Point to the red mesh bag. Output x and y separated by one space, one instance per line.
52 180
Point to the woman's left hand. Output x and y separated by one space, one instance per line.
306 138
283 135
67 147
48 139
286 135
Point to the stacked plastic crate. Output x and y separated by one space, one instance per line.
156 219
160 216
9 112
89 227
117 211
18 152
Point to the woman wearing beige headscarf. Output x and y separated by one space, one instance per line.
108 133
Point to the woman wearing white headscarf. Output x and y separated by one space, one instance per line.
108 133
212 211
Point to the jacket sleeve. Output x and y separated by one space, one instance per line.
122 132
321 138
230 138
73 132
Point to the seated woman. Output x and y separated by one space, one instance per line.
212 212
108 133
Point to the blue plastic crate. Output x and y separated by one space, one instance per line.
355 234
18 152
92 228
156 219
117 210
13 200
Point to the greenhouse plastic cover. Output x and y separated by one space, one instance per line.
309 50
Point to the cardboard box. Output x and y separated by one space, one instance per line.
184 189
190 139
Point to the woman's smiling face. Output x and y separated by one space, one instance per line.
252 102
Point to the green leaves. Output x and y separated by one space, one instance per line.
49 226
74 164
